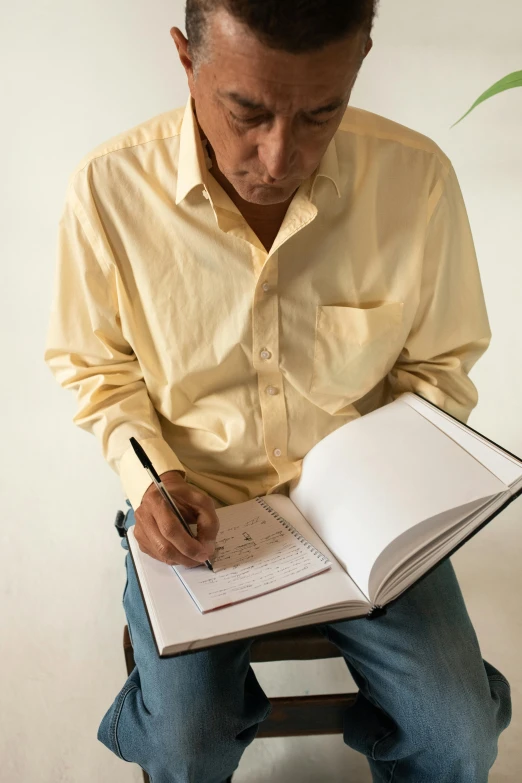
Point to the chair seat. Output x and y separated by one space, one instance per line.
296 644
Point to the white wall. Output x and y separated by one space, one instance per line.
78 73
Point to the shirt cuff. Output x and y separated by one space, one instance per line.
134 478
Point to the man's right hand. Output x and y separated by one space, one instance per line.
161 535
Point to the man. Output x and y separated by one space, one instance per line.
236 280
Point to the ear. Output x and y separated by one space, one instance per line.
368 46
183 52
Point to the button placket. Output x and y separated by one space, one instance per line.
265 334
273 409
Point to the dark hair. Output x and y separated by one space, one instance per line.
293 26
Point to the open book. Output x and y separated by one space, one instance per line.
379 503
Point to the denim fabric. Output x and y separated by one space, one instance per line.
429 709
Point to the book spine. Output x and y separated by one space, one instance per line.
292 530
376 611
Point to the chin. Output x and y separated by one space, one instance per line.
270 194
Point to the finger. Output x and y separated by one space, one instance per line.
173 531
143 542
207 524
158 547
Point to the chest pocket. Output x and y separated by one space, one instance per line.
354 349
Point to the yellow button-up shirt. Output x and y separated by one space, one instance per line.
173 323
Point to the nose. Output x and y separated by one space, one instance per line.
277 151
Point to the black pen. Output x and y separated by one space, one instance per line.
147 464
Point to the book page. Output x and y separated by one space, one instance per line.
178 625
373 478
505 467
255 554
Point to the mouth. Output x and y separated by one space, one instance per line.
278 185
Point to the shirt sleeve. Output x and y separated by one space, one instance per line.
86 351
450 331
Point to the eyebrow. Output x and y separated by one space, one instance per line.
246 103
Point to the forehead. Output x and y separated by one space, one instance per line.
239 63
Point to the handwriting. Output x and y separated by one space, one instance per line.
252 556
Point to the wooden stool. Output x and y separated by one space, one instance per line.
291 716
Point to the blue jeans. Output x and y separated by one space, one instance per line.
429 709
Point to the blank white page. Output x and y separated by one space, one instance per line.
377 476
505 467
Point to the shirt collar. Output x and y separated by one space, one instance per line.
194 162
192 158
329 167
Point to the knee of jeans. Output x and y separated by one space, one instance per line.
461 744
500 691
473 744
206 743
181 737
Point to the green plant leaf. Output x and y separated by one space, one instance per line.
513 80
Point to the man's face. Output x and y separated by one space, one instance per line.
269 115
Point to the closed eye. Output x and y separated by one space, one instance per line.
254 120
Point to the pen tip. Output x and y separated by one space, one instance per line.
209 564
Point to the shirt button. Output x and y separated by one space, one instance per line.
265 354
272 390
266 287
277 452
205 194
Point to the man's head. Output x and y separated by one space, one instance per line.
263 74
